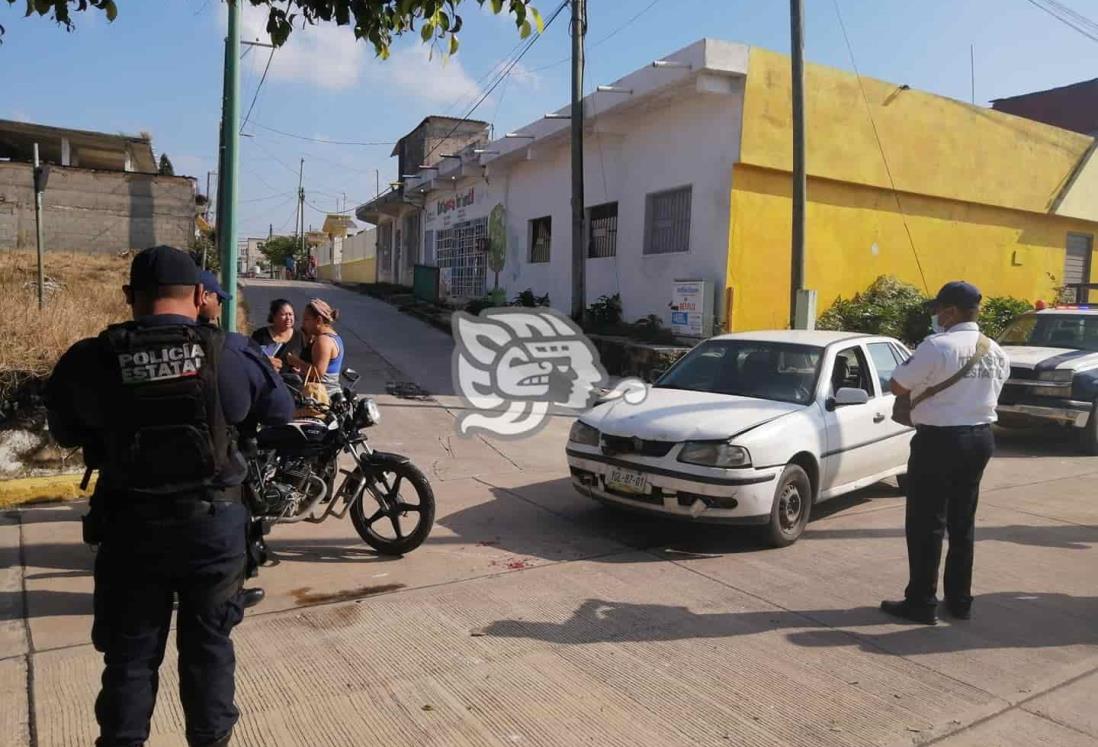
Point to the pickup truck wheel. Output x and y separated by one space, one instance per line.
1090 432
792 507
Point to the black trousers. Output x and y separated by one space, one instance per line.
943 478
142 565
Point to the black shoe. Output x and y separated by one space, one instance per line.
908 611
958 610
252 597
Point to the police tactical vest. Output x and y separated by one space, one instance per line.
168 432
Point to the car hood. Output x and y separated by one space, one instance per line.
679 415
1049 359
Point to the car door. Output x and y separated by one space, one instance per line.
885 357
855 433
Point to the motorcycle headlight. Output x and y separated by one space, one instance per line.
367 413
584 434
714 454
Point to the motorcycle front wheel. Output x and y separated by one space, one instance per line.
389 529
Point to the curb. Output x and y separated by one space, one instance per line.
50 489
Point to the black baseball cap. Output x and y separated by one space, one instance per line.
957 293
162 265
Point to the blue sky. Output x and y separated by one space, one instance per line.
157 68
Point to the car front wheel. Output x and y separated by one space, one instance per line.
792 507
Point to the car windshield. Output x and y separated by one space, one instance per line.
748 368
1070 331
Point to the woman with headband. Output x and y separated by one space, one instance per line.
322 357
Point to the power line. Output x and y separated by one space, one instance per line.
604 39
880 146
257 88
1068 17
321 140
500 78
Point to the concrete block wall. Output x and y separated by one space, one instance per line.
95 211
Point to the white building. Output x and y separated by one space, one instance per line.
660 145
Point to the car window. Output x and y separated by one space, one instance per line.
850 370
748 368
1068 331
884 360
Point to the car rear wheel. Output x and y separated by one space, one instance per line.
792 507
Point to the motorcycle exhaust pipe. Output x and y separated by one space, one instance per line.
308 510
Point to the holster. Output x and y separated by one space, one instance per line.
92 527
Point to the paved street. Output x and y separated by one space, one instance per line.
534 617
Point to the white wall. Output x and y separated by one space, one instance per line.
685 138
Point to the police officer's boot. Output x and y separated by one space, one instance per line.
223 742
252 597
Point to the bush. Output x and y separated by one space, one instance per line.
496 297
996 313
605 312
529 300
887 307
651 329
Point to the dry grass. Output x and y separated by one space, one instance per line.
83 296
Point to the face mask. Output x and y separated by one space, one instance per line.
936 325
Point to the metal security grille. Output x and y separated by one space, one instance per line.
385 251
667 222
602 230
1077 263
411 239
458 252
541 234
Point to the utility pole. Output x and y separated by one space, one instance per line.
377 183
802 312
38 189
579 259
230 163
301 206
206 217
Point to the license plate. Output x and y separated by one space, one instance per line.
627 480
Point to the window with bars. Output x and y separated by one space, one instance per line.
602 230
1077 264
411 239
667 222
384 250
541 232
456 250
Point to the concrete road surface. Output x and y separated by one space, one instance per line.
534 617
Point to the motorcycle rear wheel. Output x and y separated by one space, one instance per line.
393 540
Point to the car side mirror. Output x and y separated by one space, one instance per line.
848 396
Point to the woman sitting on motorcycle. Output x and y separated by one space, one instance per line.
322 357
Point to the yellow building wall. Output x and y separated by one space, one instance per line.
359 271
979 190
856 234
325 272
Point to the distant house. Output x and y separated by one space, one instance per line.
1073 107
102 192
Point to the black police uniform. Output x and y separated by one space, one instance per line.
154 404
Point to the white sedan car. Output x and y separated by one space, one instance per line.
750 428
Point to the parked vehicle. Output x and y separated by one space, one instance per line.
1053 371
751 428
294 476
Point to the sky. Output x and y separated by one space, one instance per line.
158 68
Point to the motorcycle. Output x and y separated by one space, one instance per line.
293 472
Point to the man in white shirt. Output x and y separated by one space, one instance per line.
951 447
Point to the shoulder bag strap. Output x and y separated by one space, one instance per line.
983 345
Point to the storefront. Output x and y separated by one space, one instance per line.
456 235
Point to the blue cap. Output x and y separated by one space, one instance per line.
211 285
958 293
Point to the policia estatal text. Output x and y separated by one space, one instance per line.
155 403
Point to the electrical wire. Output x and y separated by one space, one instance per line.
880 146
1068 17
321 140
503 76
602 40
258 88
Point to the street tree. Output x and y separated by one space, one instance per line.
277 248
375 21
165 168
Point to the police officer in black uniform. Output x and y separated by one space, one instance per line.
154 403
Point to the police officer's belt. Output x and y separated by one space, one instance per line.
177 506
